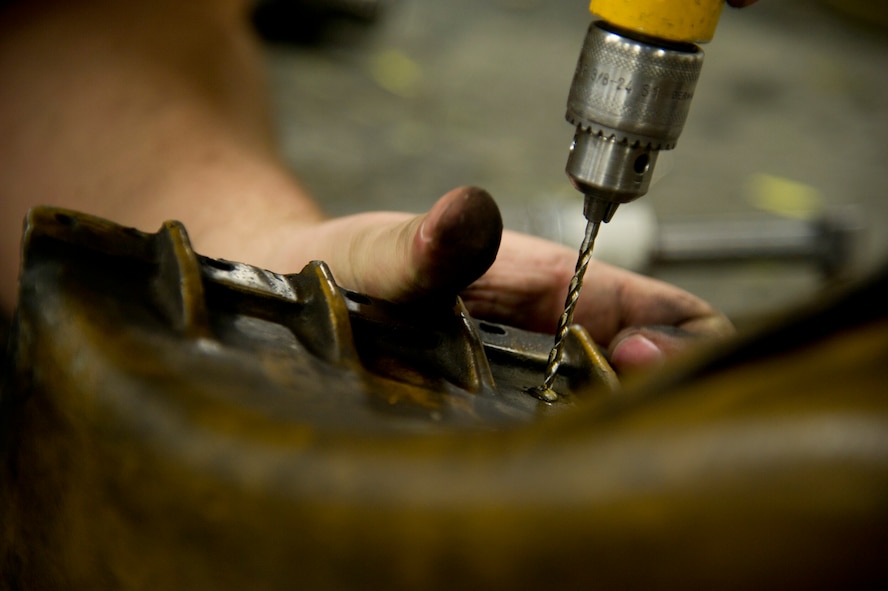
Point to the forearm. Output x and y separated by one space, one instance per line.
140 112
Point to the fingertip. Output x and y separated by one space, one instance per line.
458 239
636 352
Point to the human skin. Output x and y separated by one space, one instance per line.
149 111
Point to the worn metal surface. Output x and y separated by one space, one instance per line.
187 322
178 422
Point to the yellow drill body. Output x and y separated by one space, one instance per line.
684 21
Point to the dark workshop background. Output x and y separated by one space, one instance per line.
788 129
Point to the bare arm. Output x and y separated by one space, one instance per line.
139 112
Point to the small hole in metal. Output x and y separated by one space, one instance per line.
358 298
642 163
491 328
221 265
65 219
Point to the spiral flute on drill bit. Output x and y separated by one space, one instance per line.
545 391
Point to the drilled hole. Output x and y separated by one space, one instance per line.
642 163
65 219
358 298
491 328
221 265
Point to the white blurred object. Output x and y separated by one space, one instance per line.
626 241
636 240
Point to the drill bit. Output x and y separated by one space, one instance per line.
545 391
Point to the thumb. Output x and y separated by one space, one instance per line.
648 347
400 257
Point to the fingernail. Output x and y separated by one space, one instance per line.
428 227
422 231
636 351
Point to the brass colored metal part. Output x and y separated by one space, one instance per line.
276 432
202 323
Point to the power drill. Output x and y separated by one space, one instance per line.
629 99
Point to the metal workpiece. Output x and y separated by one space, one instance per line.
175 421
341 358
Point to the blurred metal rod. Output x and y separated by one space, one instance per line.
827 242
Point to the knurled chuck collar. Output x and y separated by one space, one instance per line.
632 89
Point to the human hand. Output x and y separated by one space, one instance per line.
191 140
459 247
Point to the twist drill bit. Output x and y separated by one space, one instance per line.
545 391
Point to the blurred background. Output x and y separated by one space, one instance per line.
776 190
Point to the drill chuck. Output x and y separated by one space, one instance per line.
629 99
